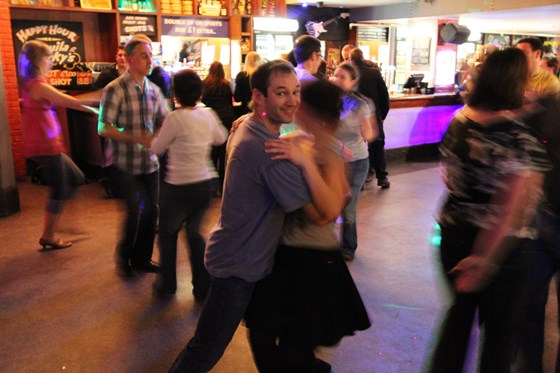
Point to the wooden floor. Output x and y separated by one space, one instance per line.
68 311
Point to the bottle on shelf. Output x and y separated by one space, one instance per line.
264 7
241 7
134 5
249 8
223 9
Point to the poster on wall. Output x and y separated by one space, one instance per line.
195 27
66 42
420 55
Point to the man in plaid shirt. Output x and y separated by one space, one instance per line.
131 109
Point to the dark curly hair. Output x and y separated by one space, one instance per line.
324 99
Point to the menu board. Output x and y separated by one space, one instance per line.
420 57
497 39
66 42
197 27
135 24
372 33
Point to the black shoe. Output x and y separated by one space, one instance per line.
150 266
200 296
384 183
162 292
348 255
123 268
321 366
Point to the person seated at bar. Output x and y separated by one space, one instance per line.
113 72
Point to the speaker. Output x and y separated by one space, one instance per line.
454 33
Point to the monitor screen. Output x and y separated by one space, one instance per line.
414 81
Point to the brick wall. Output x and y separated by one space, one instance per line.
11 87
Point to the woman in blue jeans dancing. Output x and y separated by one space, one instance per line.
358 126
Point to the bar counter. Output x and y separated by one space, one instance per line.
413 120
419 119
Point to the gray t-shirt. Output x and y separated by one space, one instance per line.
355 109
258 192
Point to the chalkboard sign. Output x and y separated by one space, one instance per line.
66 43
420 57
134 24
372 34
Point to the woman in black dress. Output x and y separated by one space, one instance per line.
217 94
242 92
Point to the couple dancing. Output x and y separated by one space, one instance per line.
279 192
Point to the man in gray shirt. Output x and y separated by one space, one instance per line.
258 192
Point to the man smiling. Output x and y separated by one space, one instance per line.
258 192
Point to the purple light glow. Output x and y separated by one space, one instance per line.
417 126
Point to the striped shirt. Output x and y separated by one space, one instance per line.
128 108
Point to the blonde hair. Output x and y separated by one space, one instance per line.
252 61
30 57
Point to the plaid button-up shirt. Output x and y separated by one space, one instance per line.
127 107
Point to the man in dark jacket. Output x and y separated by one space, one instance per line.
372 85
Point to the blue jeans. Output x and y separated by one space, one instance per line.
222 312
545 252
180 204
357 173
141 193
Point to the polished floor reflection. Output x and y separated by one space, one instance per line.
68 311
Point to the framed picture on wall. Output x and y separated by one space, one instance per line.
333 57
420 57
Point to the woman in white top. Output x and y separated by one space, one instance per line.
358 126
187 135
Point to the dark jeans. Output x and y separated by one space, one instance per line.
497 305
183 204
219 159
141 193
545 253
357 173
377 162
223 310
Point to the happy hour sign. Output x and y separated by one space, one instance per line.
66 42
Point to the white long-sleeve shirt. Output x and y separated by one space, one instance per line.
188 135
